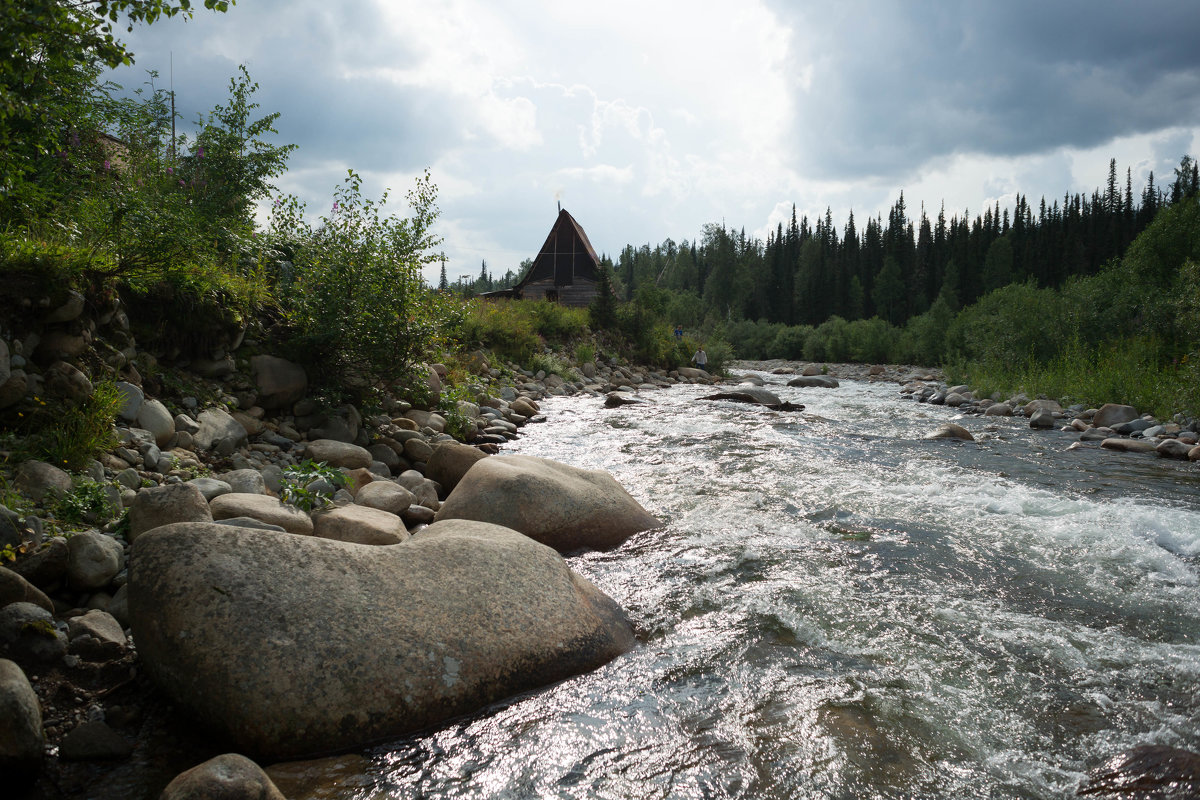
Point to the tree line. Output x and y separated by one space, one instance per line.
894 267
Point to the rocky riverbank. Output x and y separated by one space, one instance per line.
197 594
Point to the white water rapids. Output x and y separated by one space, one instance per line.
836 608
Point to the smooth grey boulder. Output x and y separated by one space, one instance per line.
171 502
359 524
227 777
427 419
154 417
950 430
814 382
218 425
1111 414
755 395
245 481
1127 445
132 397
618 399
385 496
22 740
417 449
15 589
450 462
998 410
563 506
1033 406
209 488
293 645
36 479
280 382
1173 448
338 454
93 559
1042 419
264 508
28 634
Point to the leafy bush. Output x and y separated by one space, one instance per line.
295 488
353 293
789 342
88 501
70 434
870 340
555 322
501 326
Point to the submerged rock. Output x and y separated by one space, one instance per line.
814 382
563 506
1145 772
951 431
291 645
755 395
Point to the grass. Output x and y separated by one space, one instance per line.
1130 371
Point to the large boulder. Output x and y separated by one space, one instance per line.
21 736
385 496
36 479
950 430
279 381
292 645
563 506
93 559
154 417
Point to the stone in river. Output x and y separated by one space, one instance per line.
1172 448
950 430
563 506
1127 445
290 646
228 777
814 382
1146 772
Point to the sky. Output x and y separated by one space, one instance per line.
648 119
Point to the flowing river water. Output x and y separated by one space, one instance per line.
837 608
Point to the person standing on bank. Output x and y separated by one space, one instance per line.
700 359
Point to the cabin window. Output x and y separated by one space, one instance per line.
552 295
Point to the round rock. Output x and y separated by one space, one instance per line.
228 777
359 524
563 506
171 502
93 559
21 737
264 508
292 645
338 454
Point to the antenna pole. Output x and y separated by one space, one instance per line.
174 154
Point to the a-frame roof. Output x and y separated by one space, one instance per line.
566 236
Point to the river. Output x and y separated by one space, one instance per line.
837 608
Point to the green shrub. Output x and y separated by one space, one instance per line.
355 300
870 340
297 478
555 322
69 434
584 353
501 326
88 501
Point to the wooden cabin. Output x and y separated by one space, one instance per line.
565 270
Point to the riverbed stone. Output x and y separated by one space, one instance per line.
46 565
1042 419
359 524
814 382
93 559
1146 772
1127 445
327 659
154 417
264 508
28 635
245 481
450 461
1172 448
998 410
563 506
280 382
66 380
15 589
950 430
94 741
173 502
36 479
385 496
218 425
1111 414
132 398
227 777
1194 453
22 740
338 454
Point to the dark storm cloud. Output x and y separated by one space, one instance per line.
296 51
893 86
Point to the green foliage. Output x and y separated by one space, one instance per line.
1010 325
871 340
53 51
503 326
297 478
550 364
555 322
458 424
353 293
829 341
88 501
70 434
584 353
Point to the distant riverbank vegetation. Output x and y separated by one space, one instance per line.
1095 298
